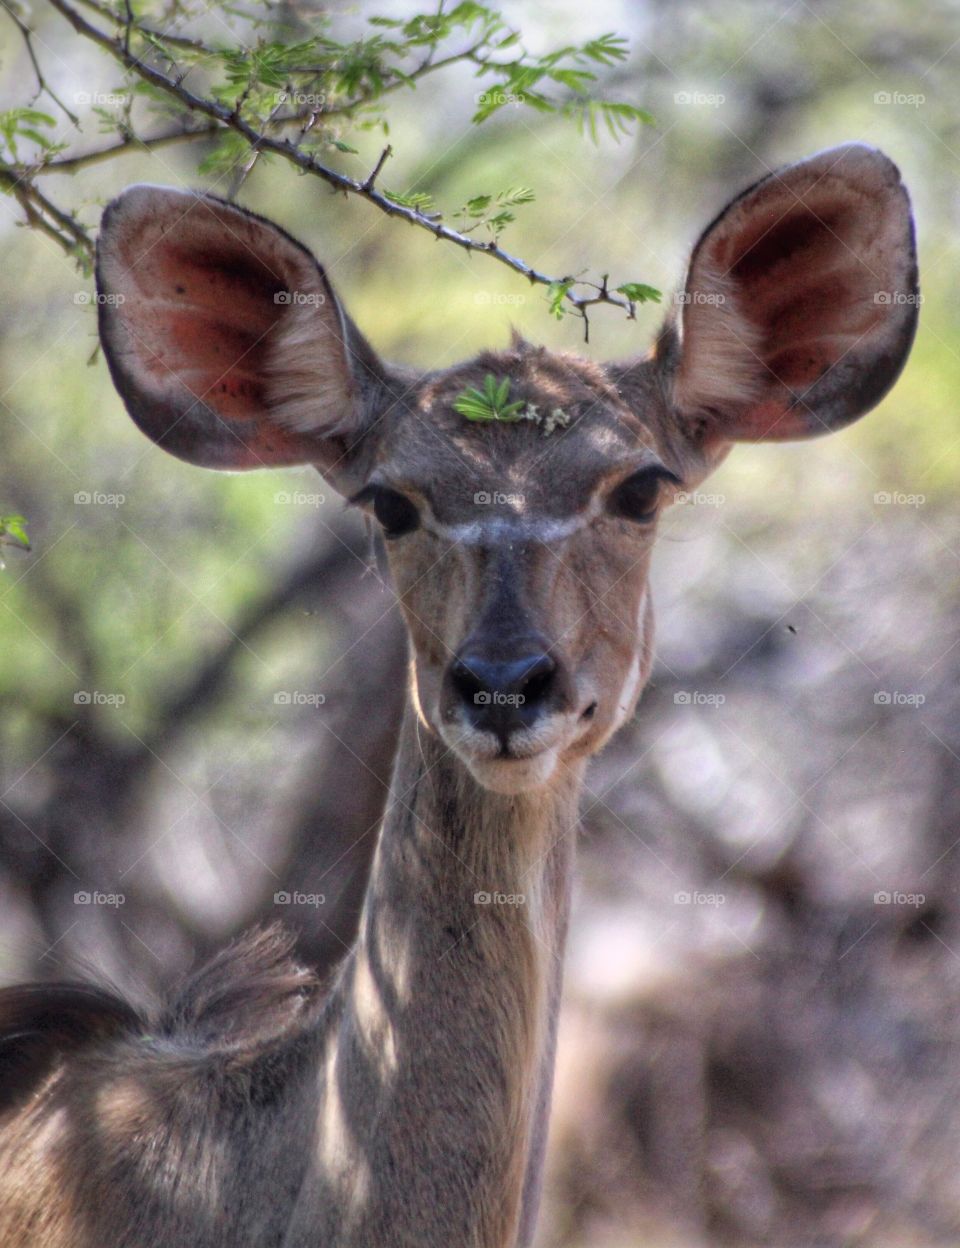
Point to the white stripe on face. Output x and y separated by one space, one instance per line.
496 529
503 528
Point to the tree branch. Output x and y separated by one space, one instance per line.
70 164
43 215
294 155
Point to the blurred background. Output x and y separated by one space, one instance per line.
201 674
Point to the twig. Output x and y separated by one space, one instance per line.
374 173
37 208
70 164
42 84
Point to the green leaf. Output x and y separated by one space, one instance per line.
420 201
557 296
490 403
516 195
230 150
638 292
606 50
575 79
23 123
14 527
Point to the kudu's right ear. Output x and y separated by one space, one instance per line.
226 341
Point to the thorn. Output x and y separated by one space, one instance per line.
374 173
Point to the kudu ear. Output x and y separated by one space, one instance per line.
800 303
225 339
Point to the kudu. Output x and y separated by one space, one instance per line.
406 1104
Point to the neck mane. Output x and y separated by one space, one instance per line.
437 1060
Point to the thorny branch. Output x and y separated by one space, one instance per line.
41 213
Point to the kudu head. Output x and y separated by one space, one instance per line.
519 548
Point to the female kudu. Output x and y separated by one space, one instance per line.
407 1104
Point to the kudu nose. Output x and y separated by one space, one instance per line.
502 693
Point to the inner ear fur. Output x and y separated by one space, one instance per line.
800 302
224 337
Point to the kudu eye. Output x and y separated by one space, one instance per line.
395 512
637 497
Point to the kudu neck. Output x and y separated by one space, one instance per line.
440 1073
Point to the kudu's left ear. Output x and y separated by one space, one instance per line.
225 339
800 303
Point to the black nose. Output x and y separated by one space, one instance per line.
506 691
